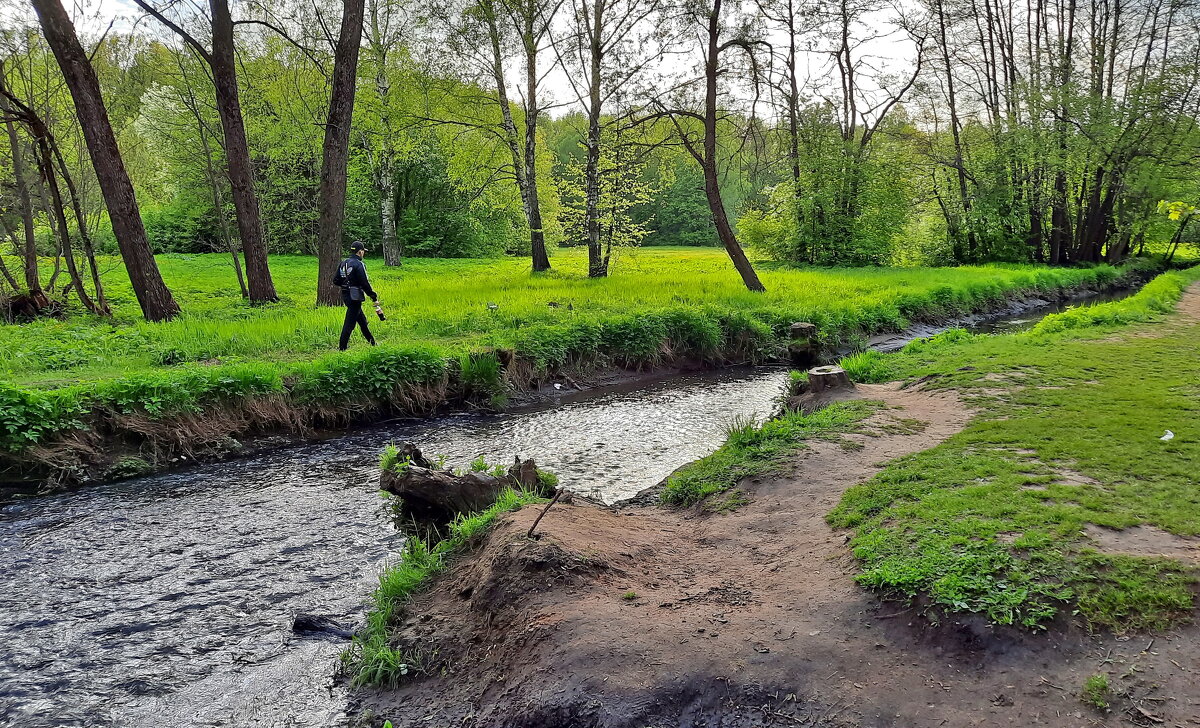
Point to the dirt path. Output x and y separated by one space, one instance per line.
645 617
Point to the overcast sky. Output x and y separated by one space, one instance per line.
894 53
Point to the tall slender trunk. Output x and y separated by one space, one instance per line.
237 156
29 249
89 249
959 159
708 162
336 150
526 183
152 293
597 260
537 235
55 208
218 200
385 176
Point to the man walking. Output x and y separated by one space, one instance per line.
351 277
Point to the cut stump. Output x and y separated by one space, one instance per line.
824 379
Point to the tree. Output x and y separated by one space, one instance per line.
155 299
332 194
603 45
489 33
712 26
223 66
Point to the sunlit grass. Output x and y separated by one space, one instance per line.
445 302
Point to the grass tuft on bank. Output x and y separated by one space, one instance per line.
997 520
752 449
372 659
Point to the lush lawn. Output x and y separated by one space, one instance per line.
1067 438
444 303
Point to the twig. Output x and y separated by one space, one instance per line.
1047 682
557 494
889 616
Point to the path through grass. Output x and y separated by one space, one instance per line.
1068 438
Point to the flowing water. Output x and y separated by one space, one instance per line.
168 600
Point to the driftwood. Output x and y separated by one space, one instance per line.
429 495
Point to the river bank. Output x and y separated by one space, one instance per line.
162 420
751 615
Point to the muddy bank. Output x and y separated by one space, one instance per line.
643 616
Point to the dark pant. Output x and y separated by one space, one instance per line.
354 317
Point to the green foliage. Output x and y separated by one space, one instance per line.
751 449
29 416
371 658
990 522
867 366
664 305
1096 692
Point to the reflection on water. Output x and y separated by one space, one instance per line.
167 601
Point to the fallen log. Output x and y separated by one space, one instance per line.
429 495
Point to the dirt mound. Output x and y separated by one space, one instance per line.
641 617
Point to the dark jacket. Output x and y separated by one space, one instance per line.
351 273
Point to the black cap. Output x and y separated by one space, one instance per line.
357 245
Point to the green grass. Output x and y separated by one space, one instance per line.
444 302
1096 692
752 449
372 659
59 377
991 521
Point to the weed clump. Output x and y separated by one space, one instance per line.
1096 692
752 449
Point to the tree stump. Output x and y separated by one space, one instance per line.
827 378
802 349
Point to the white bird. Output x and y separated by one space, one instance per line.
557 385
1169 436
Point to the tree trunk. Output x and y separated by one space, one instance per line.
89 249
537 236
29 249
152 293
385 177
712 186
218 200
335 151
597 260
237 156
58 219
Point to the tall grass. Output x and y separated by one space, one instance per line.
445 302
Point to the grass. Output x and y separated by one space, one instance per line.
1071 412
372 659
752 449
444 303
1096 692
84 376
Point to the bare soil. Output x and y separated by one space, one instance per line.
645 617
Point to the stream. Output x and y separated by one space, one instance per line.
168 600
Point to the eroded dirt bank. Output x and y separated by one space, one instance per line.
646 617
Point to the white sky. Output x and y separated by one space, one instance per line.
894 53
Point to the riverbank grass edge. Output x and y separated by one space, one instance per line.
71 430
1020 518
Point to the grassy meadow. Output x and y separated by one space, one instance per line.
443 302
71 389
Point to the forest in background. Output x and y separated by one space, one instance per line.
845 133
